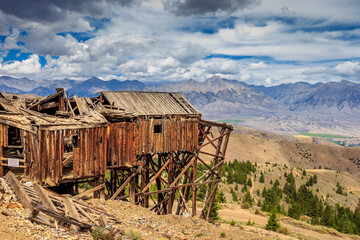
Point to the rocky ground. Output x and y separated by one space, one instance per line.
135 222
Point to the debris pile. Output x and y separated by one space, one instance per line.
48 215
48 209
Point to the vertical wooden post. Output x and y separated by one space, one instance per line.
172 193
113 180
144 181
132 188
136 185
218 148
194 188
2 140
102 191
96 183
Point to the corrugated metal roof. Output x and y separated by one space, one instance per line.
150 103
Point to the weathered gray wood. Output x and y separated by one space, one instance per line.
70 208
103 220
61 218
18 189
87 215
44 198
87 192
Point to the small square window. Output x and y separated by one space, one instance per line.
157 128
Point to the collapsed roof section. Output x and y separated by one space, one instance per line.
29 111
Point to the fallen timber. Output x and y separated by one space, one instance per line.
55 211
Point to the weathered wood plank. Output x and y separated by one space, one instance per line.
18 189
87 192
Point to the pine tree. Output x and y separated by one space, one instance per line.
262 178
294 211
339 189
273 222
248 199
249 183
315 179
234 196
214 215
221 197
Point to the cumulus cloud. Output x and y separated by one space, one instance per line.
201 7
279 40
20 68
188 53
348 68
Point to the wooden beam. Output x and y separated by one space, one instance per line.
156 175
210 169
68 159
206 136
183 171
37 114
125 183
194 190
61 218
18 189
70 209
103 220
69 105
200 147
88 216
54 95
44 198
87 192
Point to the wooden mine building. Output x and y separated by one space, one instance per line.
141 146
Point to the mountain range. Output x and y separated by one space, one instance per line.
220 98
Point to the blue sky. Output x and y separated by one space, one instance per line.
259 42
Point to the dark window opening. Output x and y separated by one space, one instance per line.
14 137
70 143
158 128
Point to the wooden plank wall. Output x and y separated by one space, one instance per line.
90 154
3 136
47 154
122 140
178 134
49 146
114 145
3 142
127 140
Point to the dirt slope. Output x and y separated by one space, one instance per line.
261 147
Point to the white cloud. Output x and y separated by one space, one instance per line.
260 64
145 42
348 68
26 67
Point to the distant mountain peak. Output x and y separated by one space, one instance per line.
94 79
214 79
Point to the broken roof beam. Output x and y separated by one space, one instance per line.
80 105
37 114
69 105
59 93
